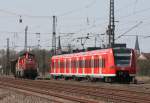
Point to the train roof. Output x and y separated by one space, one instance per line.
24 53
88 53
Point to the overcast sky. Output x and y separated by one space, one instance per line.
73 16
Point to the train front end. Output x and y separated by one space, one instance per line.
26 66
125 64
30 70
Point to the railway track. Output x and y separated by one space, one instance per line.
31 89
92 92
103 92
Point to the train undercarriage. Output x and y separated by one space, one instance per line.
120 78
28 73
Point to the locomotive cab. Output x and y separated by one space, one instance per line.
124 60
26 66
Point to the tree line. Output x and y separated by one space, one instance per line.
42 57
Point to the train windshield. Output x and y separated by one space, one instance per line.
30 57
122 57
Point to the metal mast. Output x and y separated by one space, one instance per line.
25 46
8 54
54 36
111 26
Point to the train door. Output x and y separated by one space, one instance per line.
56 66
70 69
96 65
77 65
83 65
88 69
52 66
73 65
67 65
104 64
61 65
65 62
92 65
80 69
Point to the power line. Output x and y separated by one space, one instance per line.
129 30
47 16
136 12
78 9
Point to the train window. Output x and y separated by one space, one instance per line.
80 63
102 63
54 64
61 64
77 63
30 56
122 57
92 62
88 63
67 63
83 63
73 63
96 63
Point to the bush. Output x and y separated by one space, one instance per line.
143 67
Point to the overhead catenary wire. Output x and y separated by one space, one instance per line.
48 16
135 4
129 30
81 30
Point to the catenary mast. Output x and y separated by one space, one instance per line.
111 26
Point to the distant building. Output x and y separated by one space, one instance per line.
144 56
137 48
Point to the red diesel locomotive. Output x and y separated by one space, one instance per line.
26 66
109 64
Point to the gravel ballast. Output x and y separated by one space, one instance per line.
8 96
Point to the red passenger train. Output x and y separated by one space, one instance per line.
109 64
26 66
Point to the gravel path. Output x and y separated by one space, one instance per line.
7 96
